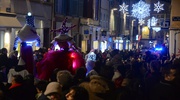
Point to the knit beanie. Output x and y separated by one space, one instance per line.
64 77
53 87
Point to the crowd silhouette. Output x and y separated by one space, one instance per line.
109 75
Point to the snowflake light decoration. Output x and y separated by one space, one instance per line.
141 21
157 29
152 22
141 10
158 7
123 8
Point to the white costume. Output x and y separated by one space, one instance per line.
13 72
90 61
91 57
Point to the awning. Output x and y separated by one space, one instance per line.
9 22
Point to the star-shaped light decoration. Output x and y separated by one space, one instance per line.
141 21
64 29
158 7
141 10
123 8
63 36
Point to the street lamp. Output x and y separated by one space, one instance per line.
114 9
131 35
112 19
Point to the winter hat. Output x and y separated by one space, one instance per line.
98 84
21 62
53 87
64 77
27 33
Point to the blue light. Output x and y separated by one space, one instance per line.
29 43
158 49
16 42
110 39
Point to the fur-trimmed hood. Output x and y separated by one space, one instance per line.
98 87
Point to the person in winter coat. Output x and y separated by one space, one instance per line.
17 91
53 92
77 93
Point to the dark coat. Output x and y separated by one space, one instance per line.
4 60
43 97
164 91
17 93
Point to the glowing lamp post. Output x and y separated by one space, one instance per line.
112 19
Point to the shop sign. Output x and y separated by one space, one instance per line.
176 18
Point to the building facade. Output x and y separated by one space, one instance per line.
105 40
174 36
99 23
14 12
90 26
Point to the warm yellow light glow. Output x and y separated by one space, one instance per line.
6 38
120 46
114 9
145 29
145 32
7 41
83 46
112 28
41 24
19 48
95 44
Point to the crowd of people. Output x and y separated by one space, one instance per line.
108 75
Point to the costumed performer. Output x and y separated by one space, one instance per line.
67 57
27 36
